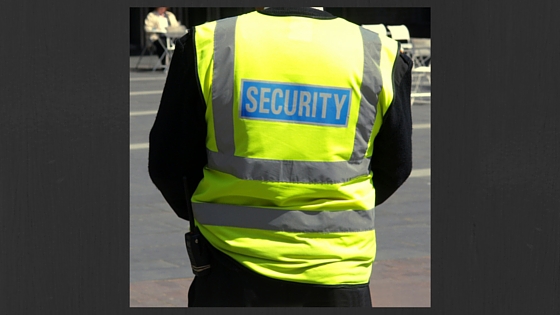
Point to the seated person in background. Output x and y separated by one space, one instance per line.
156 22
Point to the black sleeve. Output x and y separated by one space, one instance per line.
178 136
391 162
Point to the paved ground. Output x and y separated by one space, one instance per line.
159 268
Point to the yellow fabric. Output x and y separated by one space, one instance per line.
301 51
307 52
219 187
329 259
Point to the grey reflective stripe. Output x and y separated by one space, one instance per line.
286 170
284 220
370 89
222 84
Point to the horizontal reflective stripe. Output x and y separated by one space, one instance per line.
287 170
284 220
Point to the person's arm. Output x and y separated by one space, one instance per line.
172 19
178 136
391 161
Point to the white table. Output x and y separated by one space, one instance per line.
168 46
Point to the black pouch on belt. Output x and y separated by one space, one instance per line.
197 245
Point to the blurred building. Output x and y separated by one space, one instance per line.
416 19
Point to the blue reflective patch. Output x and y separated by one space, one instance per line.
297 103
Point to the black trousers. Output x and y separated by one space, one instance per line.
160 50
231 284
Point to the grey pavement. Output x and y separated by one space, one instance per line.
159 267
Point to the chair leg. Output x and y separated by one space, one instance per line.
159 64
147 48
141 56
417 79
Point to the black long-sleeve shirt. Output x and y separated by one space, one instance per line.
178 137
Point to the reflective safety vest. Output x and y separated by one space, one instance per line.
293 105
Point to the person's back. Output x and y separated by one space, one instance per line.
293 106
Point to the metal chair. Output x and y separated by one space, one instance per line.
421 52
400 33
419 75
149 47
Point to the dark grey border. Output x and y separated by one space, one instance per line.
64 162
495 160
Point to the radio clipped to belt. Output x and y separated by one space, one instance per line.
197 246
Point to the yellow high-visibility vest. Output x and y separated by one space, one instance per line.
293 105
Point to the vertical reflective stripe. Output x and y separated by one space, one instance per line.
370 88
222 84
387 64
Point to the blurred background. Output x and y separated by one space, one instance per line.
416 19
